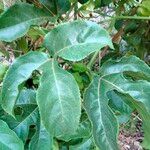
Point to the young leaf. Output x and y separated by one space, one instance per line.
19 72
41 140
8 138
58 99
96 101
16 20
75 40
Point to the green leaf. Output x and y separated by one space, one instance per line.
1 7
41 140
105 126
22 45
79 80
63 6
8 139
50 5
57 6
144 8
79 67
90 5
60 105
144 114
26 97
117 104
105 2
104 123
131 63
16 21
83 130
82 1
75 40
19 72
27 115
3 69
85 145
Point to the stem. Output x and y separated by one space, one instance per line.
55 5
76 11
16 51
48 10
132 17
92 61
70 10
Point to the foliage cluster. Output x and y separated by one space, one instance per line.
72 72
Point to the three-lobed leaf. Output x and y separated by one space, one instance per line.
96 100
58 95
60 110
18 73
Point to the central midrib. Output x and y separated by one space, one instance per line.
57 88
99 104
